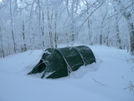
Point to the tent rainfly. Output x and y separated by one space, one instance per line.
59 62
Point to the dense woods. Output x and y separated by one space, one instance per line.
38 24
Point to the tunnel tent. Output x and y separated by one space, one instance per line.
60 62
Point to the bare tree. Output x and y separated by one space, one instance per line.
37 23
117 31
2 54
24 47
55 31
89 22
128 16
12 26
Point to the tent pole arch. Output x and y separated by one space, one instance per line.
68 66
80 55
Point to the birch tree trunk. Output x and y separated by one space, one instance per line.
12 27
72 22
49 18
43 29
117 31
128 17
24 47
55 33
88 23
40 21
2 54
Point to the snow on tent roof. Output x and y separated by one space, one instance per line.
59 62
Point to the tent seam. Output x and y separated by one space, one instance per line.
68 66
80 55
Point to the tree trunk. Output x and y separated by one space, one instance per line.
43 29
128 17
2 54
131 35
55 36
118 43
12 29
118 36
100 39
24 48
88 23
72 22
50 27
39 23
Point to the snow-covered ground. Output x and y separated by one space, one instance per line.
111 79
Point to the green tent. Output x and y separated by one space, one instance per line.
59 62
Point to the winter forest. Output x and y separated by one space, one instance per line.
38 24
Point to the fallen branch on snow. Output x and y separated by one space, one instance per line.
130 87
132 68
98 82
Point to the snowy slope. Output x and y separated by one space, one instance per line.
105 81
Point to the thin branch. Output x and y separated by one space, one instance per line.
98 82
89 16
132 68
130 87
119 12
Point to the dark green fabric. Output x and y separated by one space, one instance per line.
40 67
72 57
87 54
56 63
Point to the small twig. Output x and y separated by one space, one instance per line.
130 87
98 82
132 68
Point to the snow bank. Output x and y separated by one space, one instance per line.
107 81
